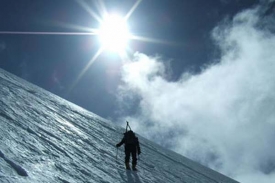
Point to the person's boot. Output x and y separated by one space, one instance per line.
127 166
134 167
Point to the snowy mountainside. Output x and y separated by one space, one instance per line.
45 138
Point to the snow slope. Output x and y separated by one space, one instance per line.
44 138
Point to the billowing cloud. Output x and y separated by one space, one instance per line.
223 117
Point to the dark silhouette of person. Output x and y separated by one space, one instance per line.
131 145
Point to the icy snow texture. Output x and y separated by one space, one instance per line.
47 139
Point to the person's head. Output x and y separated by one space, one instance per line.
130 132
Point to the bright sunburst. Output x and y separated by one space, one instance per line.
114 34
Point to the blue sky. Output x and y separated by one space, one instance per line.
53 62
208 96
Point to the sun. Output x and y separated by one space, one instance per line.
113 33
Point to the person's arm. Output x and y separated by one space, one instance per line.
138 147
121 142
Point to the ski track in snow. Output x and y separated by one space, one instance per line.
47 139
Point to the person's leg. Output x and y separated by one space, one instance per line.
134 159
127 159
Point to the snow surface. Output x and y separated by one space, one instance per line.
44 138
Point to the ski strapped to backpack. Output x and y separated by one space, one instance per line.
127 125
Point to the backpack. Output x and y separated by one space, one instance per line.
129 137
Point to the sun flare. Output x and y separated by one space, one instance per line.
114 34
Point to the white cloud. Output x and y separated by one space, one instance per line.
257 177
223 117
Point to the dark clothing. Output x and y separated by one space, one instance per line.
131 151
131 147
